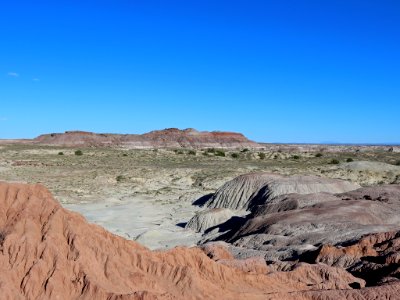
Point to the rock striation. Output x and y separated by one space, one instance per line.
246 191
374 258
207 219
290 216
48 252
167 138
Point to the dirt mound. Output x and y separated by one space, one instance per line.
373 166
47 252
249 190
204 220
287 226
167 138
375 257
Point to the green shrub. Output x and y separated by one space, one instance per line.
296 157
349 159
235 155
276 156
318 155
124 154
245 150
192 152
119 178
261 155
334 161
60 153
219 153
397 163
211 150
78 152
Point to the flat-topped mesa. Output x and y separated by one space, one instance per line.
167 138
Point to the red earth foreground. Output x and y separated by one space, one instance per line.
48 252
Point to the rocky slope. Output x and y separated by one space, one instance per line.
252 189
167 138
289 216
47 252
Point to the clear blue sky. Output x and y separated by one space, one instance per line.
278 71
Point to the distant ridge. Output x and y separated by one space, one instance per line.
166 138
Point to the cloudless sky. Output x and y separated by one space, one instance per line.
277 71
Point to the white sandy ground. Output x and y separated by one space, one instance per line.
143 219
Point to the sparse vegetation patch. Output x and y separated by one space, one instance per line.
119 178
334 161
235 155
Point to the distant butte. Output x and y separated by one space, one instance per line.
167 138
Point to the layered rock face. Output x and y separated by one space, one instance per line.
249 190
375 257
47 252
207 219
290 216
167 138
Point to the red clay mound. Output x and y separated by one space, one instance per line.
47 252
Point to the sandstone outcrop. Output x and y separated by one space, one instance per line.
167 138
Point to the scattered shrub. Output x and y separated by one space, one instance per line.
78 152
334 161
124 154
296 157
276 156
349 159
235 155
245 150
219 153
119 178
210 150
261 155
60 153
192 152
397 163
318 155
